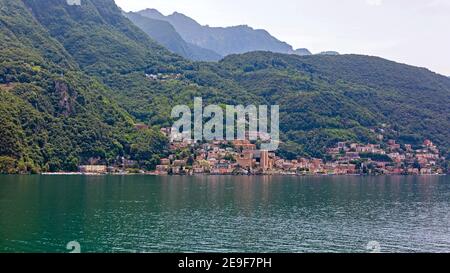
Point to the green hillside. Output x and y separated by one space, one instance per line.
346 91
108 46
53 116
74 80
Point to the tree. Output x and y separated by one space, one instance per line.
7 165
190 161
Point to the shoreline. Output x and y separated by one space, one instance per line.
227 175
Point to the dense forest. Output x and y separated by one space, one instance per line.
53 115
73 86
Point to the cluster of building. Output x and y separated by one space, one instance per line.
217 157
390 158
242 157
121 166
163 77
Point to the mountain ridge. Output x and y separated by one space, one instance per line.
165 34
223 40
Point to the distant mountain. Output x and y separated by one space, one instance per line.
223 40
332 53
302 52
165 34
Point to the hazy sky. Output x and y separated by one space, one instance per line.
415 32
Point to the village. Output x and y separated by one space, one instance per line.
242 157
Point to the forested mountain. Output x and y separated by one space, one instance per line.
74 81
52 115
341 95
223 40
165 34
302 52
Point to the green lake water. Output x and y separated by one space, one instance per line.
224 214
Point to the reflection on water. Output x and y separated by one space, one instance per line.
231 214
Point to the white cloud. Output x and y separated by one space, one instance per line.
439 3
374 2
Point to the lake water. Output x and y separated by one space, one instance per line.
224 214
